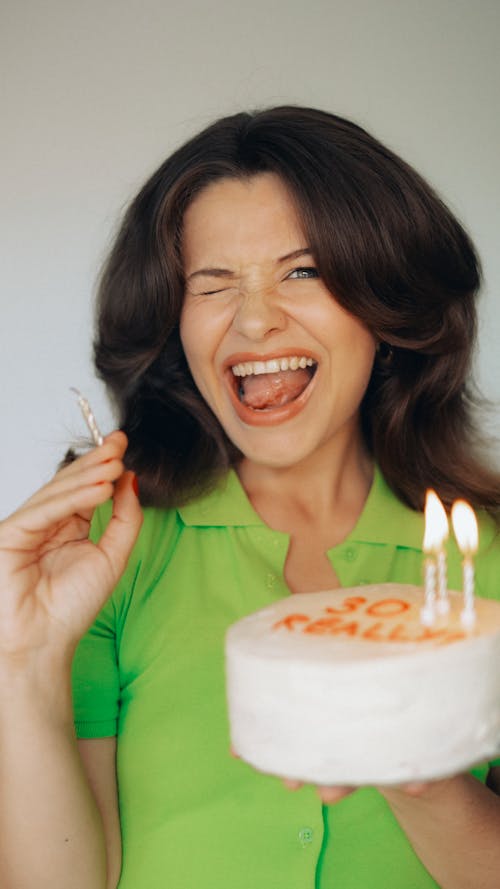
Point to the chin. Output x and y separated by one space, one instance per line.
283 457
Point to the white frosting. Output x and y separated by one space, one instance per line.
348 687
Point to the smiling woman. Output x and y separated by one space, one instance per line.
268 308
360 228
285 325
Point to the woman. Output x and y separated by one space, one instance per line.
285 324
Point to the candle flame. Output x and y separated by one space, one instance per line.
465 527
436 523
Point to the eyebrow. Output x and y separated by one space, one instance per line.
227 273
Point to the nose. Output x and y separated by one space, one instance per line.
258 314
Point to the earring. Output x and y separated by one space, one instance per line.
385 354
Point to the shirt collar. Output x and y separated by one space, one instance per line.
227 504
384 519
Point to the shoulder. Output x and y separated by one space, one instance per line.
158 524
153 549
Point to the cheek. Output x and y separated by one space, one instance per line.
361 344
363 360
199 338
356 357
364 348
188 339
196 339
203 326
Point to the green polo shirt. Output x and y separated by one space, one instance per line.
151 670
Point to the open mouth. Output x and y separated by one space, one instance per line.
268 385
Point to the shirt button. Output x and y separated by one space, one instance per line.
305 836
350 554
270 580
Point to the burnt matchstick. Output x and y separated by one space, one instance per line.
88 417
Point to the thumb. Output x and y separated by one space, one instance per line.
123 528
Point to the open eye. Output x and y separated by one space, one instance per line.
304 272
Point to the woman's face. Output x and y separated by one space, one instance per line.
281 364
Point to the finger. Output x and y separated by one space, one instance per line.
31 524
419 788
415 788
292 784
329 795
233 753
106 458
114 446
107 471
123 528
86 475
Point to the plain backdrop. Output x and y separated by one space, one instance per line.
95 94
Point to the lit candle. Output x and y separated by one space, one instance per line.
435 536
466 532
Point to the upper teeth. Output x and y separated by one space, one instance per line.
273 366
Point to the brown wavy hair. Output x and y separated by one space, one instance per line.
385 245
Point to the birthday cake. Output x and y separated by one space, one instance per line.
347 687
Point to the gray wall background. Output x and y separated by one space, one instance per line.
96 94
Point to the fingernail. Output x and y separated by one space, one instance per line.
135 485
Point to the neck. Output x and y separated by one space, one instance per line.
328 486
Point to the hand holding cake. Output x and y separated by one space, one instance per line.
309 681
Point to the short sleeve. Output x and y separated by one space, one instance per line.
100 662
95 675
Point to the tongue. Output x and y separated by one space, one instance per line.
263 391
